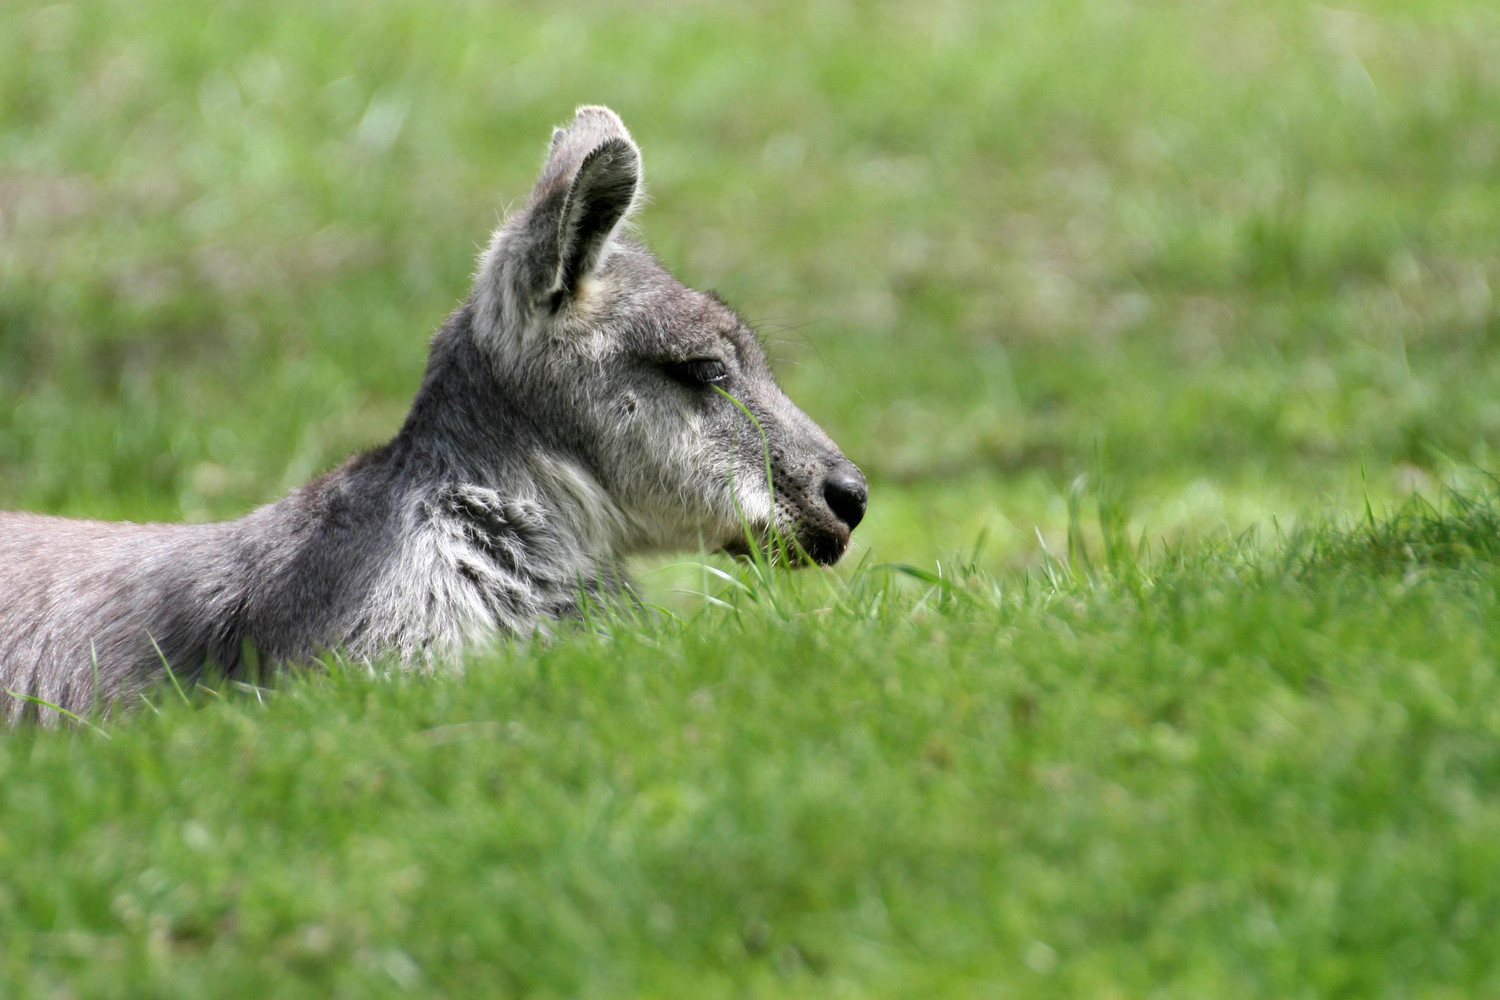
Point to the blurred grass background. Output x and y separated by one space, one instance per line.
1236 258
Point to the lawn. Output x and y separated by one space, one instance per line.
1144 678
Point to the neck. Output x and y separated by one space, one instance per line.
477 461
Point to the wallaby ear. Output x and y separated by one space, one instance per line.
588 185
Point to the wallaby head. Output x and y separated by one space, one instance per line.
652 400
580 406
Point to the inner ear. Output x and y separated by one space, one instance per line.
600 196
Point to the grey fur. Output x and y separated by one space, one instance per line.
553 435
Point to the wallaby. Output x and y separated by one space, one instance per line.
580 406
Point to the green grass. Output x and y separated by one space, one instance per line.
1250 769
1062 277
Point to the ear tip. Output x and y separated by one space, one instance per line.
599 112
595 140
596 125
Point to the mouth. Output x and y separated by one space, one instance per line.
809 547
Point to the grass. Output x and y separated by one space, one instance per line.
1169 305
1264 768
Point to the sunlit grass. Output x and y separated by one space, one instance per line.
1255 768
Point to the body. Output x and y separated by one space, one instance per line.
570 416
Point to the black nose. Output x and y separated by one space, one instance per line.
846 493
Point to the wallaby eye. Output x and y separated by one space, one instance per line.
698 371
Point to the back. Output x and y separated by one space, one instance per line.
74 594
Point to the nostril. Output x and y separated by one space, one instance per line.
846 494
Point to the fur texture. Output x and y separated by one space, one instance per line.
576 409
